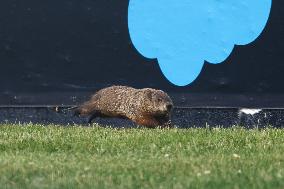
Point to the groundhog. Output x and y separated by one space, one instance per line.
146 107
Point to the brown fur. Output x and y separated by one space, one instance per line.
147 107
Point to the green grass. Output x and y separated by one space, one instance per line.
33 156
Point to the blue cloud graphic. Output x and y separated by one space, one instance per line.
182 34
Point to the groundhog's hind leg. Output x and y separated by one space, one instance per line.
94 115
91 118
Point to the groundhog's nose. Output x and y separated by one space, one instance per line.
169 107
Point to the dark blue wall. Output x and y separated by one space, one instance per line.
60 51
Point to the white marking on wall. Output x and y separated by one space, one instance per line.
250 111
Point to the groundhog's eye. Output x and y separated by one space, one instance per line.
159 100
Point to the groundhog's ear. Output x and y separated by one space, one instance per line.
149 94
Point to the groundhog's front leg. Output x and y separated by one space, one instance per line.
153 122
164 121
167 124
150 122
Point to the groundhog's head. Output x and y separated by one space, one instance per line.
157 102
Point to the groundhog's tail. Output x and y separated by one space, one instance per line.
63 110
